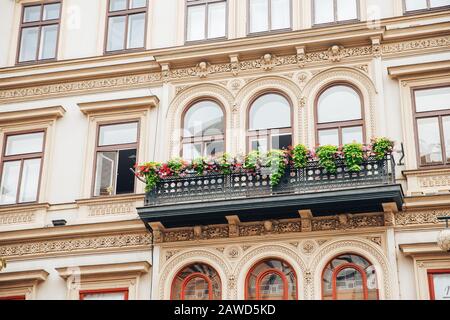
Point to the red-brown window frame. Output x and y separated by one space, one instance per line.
127 12
430 274
83 293
429 114
113 148
192 276
263 274
335 21
339 125
269 13
22 158
205 3
41 23
18 297
203 139
428 9
268 133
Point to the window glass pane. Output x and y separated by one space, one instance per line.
259 15
105 176
192 151
196 289
353 134
138 4
196 23
281 141
204 118
281 14
31 14
30 180
259 144
323 11
411 5
329 137
10 182
217 20
271 287
116 33
104 296
441 283
347 10
349 285
429 141
51 11
214 149
125 177
270 111
47 49
432 99
439 3
136 30
115 5
28 44
24 143
446 127
339 103
123 133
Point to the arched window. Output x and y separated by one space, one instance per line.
349 277
270 125
203 130
339 116
197 282
271 280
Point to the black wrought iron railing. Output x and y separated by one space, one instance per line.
312 178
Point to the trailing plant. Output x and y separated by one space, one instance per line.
252 161
277 161
198 165
150 173
327 156
381 147
225 164
354 156
300 155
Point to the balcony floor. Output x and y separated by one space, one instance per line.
355 200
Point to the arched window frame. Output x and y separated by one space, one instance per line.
263 274
268 133
345 266
339 125
193 276
203 139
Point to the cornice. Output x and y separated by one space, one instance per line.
417 69
49 113
106 269
107 106
24 276
415 249
104 200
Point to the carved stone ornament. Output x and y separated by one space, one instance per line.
335 53
267 62
202 69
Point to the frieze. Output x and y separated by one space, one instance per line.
17 218
112 209
408 217
435 181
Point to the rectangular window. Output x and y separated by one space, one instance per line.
269 15
335 11
206 19
115 156
439 284
106 294
21 168
39 30
126 25
411 6
432 116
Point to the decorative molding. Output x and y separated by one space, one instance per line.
415 45
49 113
109 106
24 276
24 217
348 222
105 269
420 217
112 209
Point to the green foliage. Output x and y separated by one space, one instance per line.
300 156
354 156
225 164
199 165
277 162
176 165
327 155
251 161
381 147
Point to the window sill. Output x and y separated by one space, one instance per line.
35 62
114 198
268 32
117 52
28 206
414 12
204 41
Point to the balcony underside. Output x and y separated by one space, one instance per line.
355 200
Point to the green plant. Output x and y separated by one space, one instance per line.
327 156
198 165
176 165
150 172
251 161
381 147
300 156
225 164
276 160
354 156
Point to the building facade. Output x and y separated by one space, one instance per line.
89 88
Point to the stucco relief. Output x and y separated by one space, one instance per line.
17 218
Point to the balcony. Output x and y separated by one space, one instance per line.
208 199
